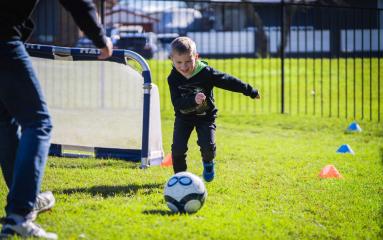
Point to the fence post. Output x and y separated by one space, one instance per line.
102 12
282 52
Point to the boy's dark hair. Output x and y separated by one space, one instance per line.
183 45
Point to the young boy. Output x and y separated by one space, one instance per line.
191 83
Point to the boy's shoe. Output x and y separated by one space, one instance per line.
44 202
208 171
20 226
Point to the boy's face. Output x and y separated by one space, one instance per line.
184 63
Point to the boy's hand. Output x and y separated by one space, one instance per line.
199 98
255 94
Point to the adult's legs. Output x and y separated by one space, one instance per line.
22 102
9 140
181 135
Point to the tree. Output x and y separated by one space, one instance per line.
290 8
261 38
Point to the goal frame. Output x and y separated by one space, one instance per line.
119 56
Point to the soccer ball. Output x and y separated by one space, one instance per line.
185 193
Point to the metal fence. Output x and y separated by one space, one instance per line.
306 59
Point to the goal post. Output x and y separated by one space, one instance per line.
100 108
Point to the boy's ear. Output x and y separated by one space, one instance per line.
196 56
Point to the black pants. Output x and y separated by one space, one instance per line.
181 134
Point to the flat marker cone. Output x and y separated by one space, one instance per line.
168 161
329 171
354 127
345 148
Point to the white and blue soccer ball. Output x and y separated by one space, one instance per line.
185 193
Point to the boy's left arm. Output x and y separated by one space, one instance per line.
231 83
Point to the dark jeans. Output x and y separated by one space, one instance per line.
181 134
25 128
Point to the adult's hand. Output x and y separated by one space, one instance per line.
107 51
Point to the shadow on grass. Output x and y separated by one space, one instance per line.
83 165
112 191
159 212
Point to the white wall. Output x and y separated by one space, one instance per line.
243 42
224 42
300 40
363 41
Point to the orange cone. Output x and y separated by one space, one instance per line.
168 161
329 171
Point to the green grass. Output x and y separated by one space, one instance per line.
267 186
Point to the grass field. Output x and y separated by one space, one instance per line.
267 186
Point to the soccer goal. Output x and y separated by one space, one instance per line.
100 108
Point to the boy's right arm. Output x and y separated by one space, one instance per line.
180 102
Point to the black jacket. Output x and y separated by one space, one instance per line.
183 91
15 22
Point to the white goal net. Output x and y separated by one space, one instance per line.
99 106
